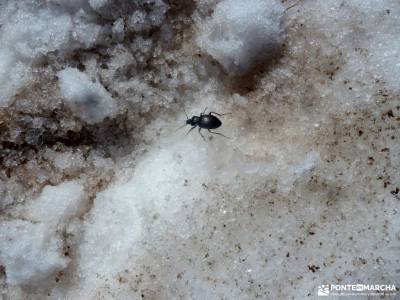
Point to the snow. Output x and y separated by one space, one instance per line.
118 30
69 160
13 75
96 4
88 100
242 34
29 32
30 253
31 250
57 203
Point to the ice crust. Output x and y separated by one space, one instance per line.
101 197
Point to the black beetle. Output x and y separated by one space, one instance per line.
205 121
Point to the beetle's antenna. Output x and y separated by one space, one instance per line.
180 127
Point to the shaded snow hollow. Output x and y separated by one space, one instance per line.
88 100
241 34
101 197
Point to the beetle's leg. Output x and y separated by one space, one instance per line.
202 134
203 112
190 130
218 133
212 112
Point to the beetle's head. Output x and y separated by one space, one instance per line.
192 121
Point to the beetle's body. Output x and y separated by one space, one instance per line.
205 121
